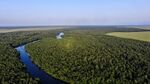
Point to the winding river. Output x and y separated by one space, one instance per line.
34 70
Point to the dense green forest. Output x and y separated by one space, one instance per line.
89 56
76 61
12 71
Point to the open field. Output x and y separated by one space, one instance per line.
143 36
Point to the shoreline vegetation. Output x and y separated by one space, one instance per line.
34 70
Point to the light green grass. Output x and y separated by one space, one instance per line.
143 36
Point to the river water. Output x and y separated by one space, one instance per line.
34 70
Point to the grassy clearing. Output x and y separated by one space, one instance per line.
143 36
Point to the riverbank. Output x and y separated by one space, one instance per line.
34 70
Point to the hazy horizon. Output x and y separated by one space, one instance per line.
74 12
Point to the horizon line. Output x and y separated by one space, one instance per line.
64 25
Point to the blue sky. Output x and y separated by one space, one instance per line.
74 12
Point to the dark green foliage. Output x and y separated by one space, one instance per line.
12 71
79 67
89 56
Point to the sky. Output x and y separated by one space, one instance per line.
74 12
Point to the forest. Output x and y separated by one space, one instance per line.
88 56
85 55
12 71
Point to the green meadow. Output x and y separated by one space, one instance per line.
143 36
